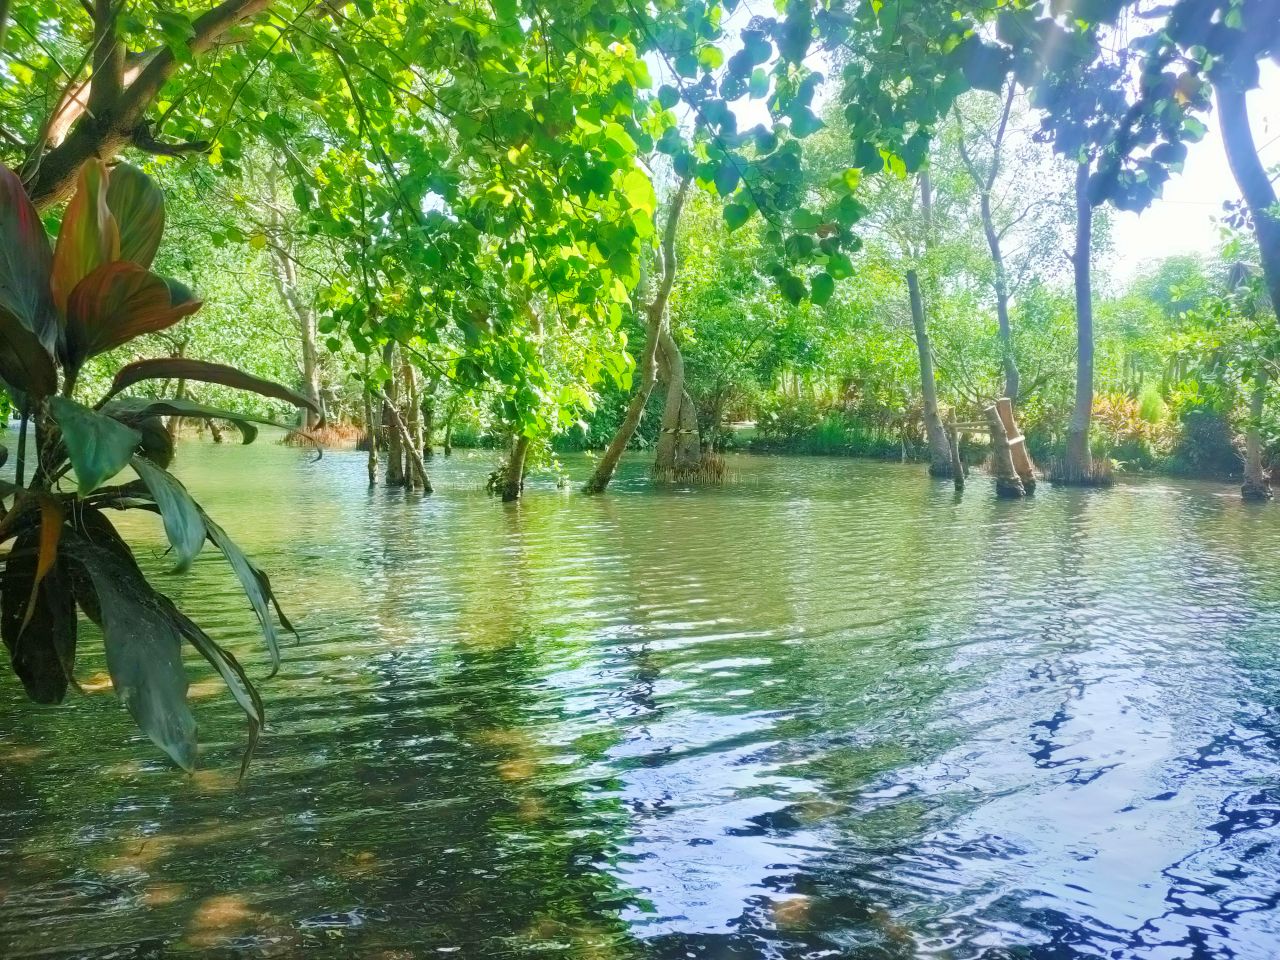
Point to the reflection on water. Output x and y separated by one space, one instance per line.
828 710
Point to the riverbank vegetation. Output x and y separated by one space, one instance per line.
671 228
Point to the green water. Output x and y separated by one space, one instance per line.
827 710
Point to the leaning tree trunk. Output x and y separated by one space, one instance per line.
986 184
935 432
1011 378
647 371
679 450
1256 485
513 481
1077 465
1254 182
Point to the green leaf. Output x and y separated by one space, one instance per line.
727 177
138 206
759 86
98 446
736 214
822 287
254 583
668 96
143 646
792 287
182 522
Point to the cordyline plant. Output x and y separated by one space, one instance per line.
58 307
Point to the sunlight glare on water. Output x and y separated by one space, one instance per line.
827 710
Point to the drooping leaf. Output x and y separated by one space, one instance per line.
182 522
98 446
179 368
138 206
115 303
254 584
42 650
26 264
89 237
233 675
134 410
143 647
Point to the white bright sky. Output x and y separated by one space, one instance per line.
1182 220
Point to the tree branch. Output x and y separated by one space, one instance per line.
108 59
146 141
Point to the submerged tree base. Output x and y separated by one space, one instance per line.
1255 491
1098 473
711 471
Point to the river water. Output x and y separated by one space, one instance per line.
826 710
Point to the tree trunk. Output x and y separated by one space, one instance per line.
985 185
371 434
1078 464
414 464
935 432
428 419
647 371
390 416
1256 485
1011 378
285 275
513 482
414 447
679 445
1252 178
1008 483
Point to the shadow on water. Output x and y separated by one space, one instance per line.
827 710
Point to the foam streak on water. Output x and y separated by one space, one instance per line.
827 710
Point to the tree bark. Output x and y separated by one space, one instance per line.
405 442
1078 463
935 432
371 433
985 186
679 445
1255 184
285 276
391 416
647 369
414 447
513 482
1256 485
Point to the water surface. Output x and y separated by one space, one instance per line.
828 710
